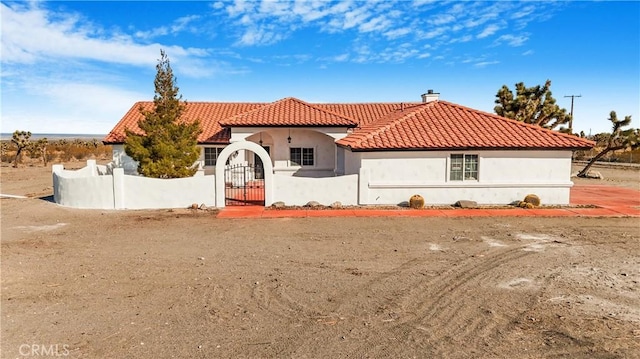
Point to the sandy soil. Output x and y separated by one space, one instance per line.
619 176
181 283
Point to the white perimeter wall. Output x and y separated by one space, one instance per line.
86 188
298 191
142 192
122 160
71 190
372 178
504 176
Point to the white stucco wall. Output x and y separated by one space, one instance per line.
141 192
87 188
298 191
526 167
504 176
70 190
352 162
122 160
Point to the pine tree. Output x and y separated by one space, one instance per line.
533 105
168 146
619 139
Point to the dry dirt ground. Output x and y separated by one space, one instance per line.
184 284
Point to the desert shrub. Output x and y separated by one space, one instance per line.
532 199
7 151
61 150
416 201
627 156
79 150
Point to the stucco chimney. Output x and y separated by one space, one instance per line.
430 96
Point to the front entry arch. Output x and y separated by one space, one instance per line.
267 168
244 184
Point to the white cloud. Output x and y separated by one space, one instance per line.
149 34
379 23
382 24
260 36
477 21
432 33
441 19
485 63
178 25
423 2
65 64
310 10
393 34
355 18
512 40
182 23
68 106
528 52
275 8
341 58
32 34
461 39
526 11
488 31
239 7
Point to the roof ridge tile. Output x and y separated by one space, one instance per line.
282 118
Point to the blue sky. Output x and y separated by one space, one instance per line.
77 67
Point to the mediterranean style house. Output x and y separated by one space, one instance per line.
384 152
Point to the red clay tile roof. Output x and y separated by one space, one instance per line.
446 126
436 125
289 112
209 114
363 113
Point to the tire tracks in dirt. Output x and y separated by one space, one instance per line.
443 309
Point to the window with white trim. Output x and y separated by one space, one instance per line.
211 155
301 156
463 167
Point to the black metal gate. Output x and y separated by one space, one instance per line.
244 185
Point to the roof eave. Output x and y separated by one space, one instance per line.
435 149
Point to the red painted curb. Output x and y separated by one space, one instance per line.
609 201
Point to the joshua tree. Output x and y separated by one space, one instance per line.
39 149
619 139
21 140
533 105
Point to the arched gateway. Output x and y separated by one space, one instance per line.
222 174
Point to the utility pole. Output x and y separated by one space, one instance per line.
571 119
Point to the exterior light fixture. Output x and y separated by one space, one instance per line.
289 138
260 142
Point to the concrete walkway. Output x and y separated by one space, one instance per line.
609 201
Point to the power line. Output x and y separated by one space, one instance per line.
571 119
